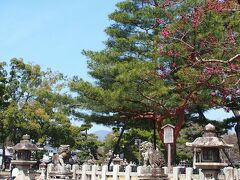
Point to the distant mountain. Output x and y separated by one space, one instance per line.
101 134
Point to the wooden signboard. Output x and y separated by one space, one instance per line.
168 134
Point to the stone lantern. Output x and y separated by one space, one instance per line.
209 147
22 157
117 160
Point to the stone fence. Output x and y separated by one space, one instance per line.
94 172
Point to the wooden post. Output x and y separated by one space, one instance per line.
169 158
168 134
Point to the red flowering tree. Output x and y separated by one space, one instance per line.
163 58
200 54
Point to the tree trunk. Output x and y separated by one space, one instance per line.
116 146
3 146
3 156
237 127
154 135
180 122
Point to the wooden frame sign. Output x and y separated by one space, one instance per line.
168 131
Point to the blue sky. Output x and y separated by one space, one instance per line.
52 33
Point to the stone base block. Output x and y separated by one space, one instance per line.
59 175
152 174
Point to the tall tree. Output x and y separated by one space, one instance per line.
32 102
163 59
201 45
36 102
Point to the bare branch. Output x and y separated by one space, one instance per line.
218 60
238 82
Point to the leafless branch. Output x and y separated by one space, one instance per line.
218 60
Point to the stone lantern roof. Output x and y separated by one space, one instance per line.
25 144
209 139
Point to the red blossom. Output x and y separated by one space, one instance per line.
184 18
161 68
174 65
219 6
160 21
162 51
196 18
165 4
165 33
233 66
170 53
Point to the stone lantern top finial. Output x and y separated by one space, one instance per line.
26 137
210 128
209 131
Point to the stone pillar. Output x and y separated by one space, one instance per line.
201 175
189 173
139 170
127 172
22 176
104 172
85 168
93 174
228 172
238 170
49 169
176 173
115 172
75 167
42 175
165 170
236 174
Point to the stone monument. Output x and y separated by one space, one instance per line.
59 168
209 148
153 162
23 159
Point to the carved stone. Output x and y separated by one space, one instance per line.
150 155
60 169
153 162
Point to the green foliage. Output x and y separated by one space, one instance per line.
188 134
129 144
88 146
34 102
162 57
124 71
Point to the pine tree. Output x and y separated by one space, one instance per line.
163 59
